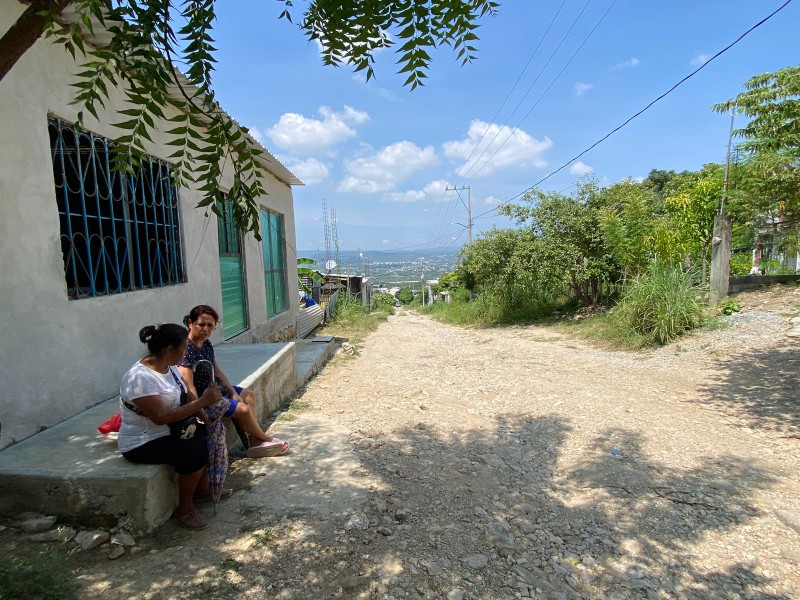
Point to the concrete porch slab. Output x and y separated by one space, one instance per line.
72 471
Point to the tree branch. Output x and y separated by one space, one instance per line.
27 29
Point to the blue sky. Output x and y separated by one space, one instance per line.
382 155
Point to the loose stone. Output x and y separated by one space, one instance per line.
88 540
38 524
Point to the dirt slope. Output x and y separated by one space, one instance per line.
504 463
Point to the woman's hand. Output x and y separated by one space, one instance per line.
236 397
210 396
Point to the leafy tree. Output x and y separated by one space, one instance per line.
659 180
630 214
691 208
511 270
405 295
771 139
148 37
573 243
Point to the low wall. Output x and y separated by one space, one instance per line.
747 282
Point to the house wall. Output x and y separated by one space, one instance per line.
60 356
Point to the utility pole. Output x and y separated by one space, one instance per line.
422 296
468 206
721 240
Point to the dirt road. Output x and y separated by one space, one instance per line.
442 462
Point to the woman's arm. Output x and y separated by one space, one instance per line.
224 379
188 377
153 407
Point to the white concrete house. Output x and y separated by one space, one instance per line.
88 257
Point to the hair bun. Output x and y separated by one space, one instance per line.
148 332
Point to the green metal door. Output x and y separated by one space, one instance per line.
274 264
231 270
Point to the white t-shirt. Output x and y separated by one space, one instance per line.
138 382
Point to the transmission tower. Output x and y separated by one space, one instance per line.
327 228
335 235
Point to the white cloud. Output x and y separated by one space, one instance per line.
506 147
361 186
700 59
582 88
435 190
491 201
311 171
297 133
631 62
385 242
383 170
580 169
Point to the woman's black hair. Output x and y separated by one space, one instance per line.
198 311
158 337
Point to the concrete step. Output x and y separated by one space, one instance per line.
72 471
312 354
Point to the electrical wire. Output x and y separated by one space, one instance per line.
463 176
514 86
643 110
552 83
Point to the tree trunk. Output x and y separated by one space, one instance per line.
24 33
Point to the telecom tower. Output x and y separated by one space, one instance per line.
327 229
335 235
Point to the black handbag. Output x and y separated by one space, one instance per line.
185 429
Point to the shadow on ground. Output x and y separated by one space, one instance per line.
760 387
490 512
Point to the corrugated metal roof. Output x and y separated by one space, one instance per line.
102 38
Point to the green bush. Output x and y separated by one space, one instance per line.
495 305
352 318
741 263
406 295
659 306
383 302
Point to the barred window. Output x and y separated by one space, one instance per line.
119 231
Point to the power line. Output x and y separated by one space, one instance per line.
513 87
525 95
552 83
643 110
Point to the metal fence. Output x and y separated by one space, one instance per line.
330 307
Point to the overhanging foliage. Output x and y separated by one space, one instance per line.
140 41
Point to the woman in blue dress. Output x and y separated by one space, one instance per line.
201 321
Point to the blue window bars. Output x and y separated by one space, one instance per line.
119 231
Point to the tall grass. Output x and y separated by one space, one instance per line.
498 305
353 319
659 306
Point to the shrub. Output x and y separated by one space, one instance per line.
406 295
660 305
352 318
741 263
383 302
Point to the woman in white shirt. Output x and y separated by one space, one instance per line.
152 395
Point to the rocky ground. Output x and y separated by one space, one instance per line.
441 462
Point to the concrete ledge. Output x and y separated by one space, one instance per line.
748 282
312 354
270 370
72 471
